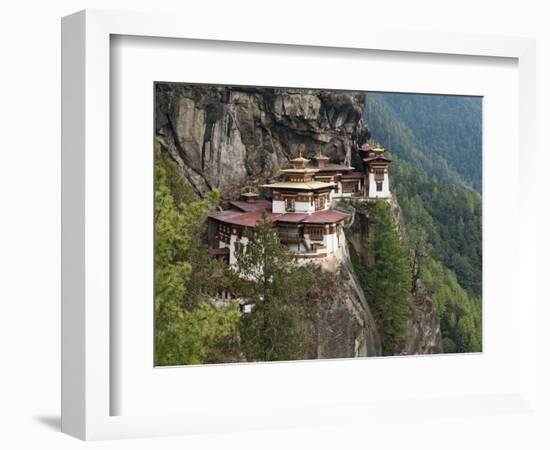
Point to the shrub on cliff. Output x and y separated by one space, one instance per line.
187 326
388 281
272 281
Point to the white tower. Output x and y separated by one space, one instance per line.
376 173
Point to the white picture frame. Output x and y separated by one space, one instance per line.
86 285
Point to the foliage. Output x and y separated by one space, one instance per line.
190 336
444 226
450 215
178 185
187 326
272 281
436 150
443 126
387 281
460 313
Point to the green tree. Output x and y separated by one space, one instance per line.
460 313
418 252
389 279
185 331
272 281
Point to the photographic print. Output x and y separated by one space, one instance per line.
299 224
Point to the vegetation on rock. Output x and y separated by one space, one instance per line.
448 217
272 281
387 279
187 325
439 207
440 134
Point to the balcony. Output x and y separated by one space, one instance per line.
289 239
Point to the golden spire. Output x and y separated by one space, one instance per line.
300 160
249 196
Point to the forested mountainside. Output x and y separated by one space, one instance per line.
441 133
212 143
443 215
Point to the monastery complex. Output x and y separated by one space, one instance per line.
301 205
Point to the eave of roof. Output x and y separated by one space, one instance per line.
377 158
329 216
291 217
246 219
258 205
225 214
307 170
302 185
251 219
329 167
353 175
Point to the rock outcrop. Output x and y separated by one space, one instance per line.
228 137
343 326
423 335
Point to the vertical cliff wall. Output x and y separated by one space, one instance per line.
343 326
227 137
423 333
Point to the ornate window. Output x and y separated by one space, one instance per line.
289 235
320 202
290 204
315 233
350 187
224 233
379 186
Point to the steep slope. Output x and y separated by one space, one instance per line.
437 204
343 325
423 333
444 126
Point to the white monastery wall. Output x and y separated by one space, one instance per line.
384 193
278 207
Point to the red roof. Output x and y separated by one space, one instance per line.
225 214
377 158
245 219
257 205
251 219
329 216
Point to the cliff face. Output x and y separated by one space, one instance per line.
343 326
423 333
226 137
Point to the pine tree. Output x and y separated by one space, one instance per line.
187 328
389 278
272 281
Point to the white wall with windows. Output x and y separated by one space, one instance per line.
377 188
